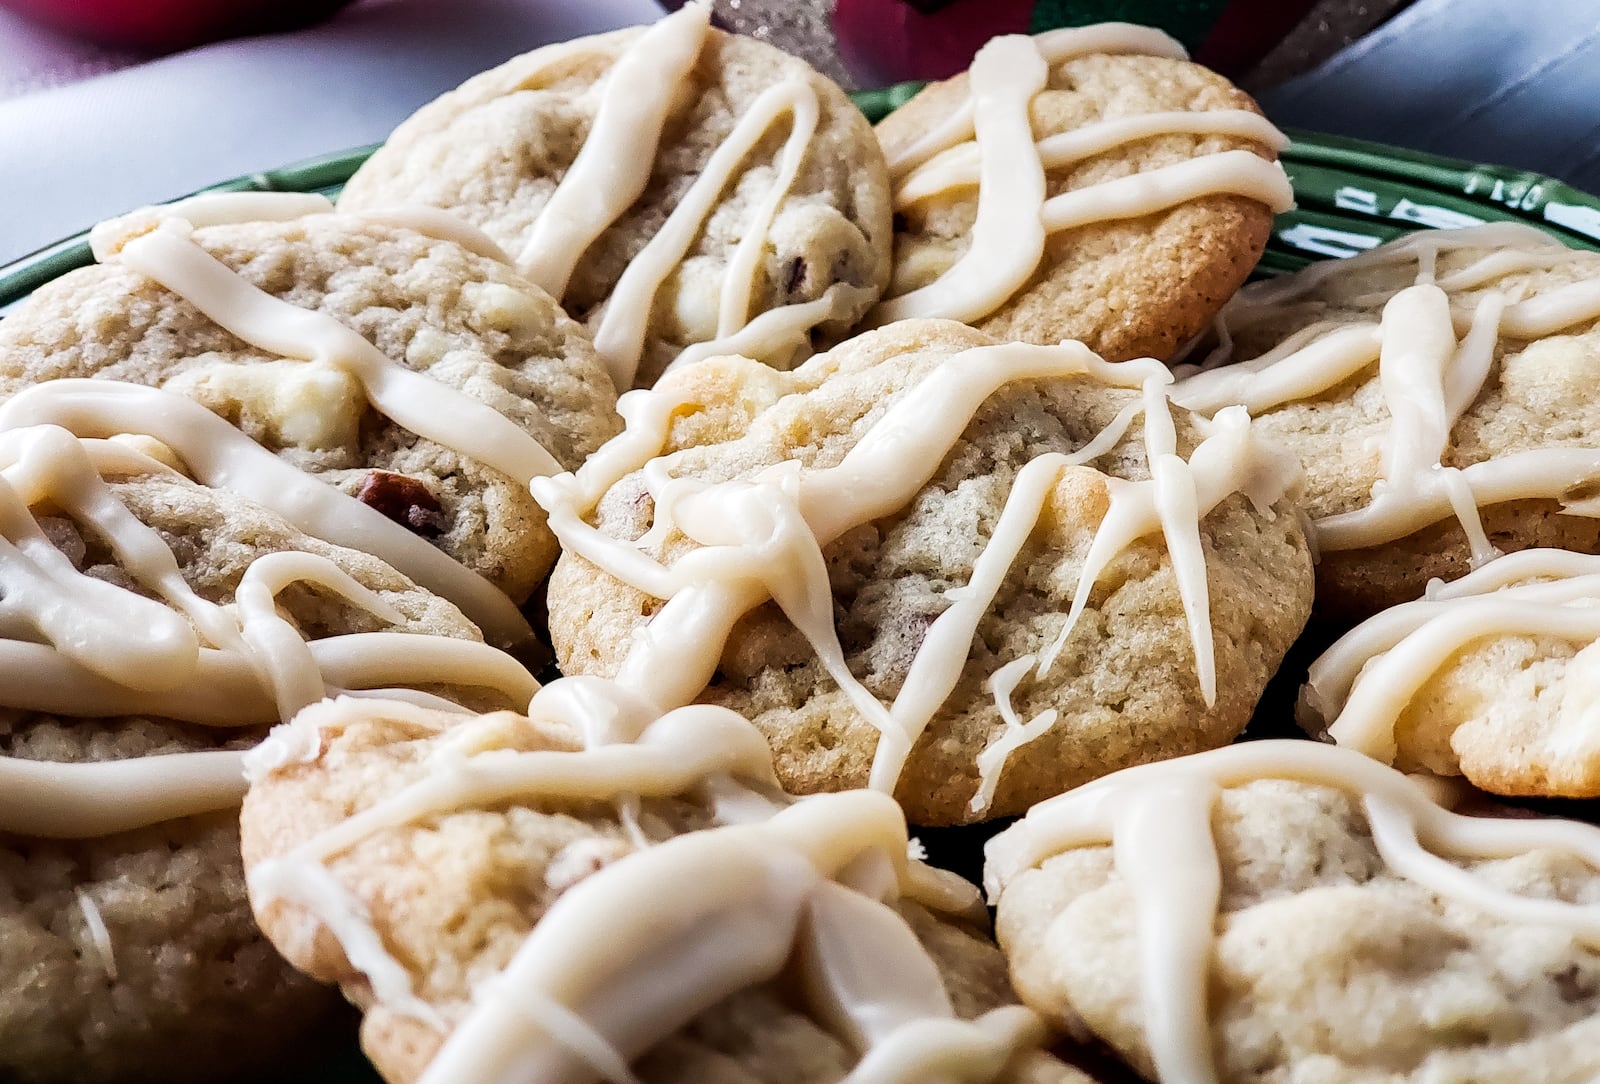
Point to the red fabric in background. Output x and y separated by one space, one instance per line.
889 41
1247 31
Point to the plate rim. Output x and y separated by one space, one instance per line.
1351 194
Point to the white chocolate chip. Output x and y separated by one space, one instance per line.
301 404
426 347
505 308
696 293
1549 375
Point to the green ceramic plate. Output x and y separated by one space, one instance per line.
1352 196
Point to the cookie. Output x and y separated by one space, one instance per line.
1473 436
415 374
1488 677
153 630
1291 911
684 191
629 878
1102 188
981 595
134 956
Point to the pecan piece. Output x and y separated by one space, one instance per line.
403 499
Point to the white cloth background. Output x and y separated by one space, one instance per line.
73 153
1517 83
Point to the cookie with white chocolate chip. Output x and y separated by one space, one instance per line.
676 187
1288 911
1489 677
227 315
127 946
1087 184
982 596
1440 392
633 885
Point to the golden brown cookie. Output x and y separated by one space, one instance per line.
1489 677
468 322
1490 340
128 952
720 182
1072 653
461 893
1131 271
1268 916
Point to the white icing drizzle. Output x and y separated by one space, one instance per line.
1176 497
313 886
1233 173
67 646
787 517
1422 248
781 329
299 741
1286 373
234 208
156 242
207 209
378 660
989 142
1008 234
1157 820
410 399
86 799
992 761
671 754
1069 42
600 980
44 596
763 538
1056 47
799 98
279 654
439 224
1362 684
225 689
742 896
960 166
217 455
619 339
614 164
612 170
1427 375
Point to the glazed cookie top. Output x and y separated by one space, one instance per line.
1087 183
1286 910
395 356
684 191
462 878
825 548
1428 379
133 592
1488 676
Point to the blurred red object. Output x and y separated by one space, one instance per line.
885 43
1247 31
167 25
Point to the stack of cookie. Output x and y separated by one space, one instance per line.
953 477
